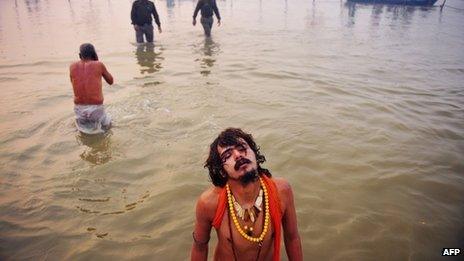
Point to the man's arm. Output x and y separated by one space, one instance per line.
201 232
106 75
70 76
155 15
289 223
216 12
133 13
197 8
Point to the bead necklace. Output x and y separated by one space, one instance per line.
266 215
249 213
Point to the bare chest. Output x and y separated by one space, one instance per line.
233 245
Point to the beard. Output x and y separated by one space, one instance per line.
249 177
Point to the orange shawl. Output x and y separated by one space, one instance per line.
274 209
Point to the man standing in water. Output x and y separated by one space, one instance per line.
141 13
86 80
207 8
247 207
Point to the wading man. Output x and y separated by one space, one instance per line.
141 13
86 78
246 206
207 8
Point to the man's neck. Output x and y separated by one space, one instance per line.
245 194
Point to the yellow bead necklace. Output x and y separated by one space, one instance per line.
266 215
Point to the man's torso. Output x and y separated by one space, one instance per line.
86 81
143 10
244 249
207 9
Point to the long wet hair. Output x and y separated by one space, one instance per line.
87 52
230 137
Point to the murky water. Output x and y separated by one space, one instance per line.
360 107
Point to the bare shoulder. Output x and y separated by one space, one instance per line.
285 192
282 185
74 64
210 196
96 64
208 201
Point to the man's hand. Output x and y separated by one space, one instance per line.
194 22
219 22
159 29
136 27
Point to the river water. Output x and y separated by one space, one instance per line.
359 107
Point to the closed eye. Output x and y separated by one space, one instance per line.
226 155
241 147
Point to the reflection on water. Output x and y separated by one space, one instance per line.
377 10
32 5
97 147
209 51
170 3
351 13
148 59
395 12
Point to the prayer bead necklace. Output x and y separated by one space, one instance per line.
266 215
249 213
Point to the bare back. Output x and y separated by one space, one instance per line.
86 80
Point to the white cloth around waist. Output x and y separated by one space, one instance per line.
92 119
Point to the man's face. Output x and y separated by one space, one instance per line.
237 160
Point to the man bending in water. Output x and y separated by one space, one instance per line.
247 207
86 80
